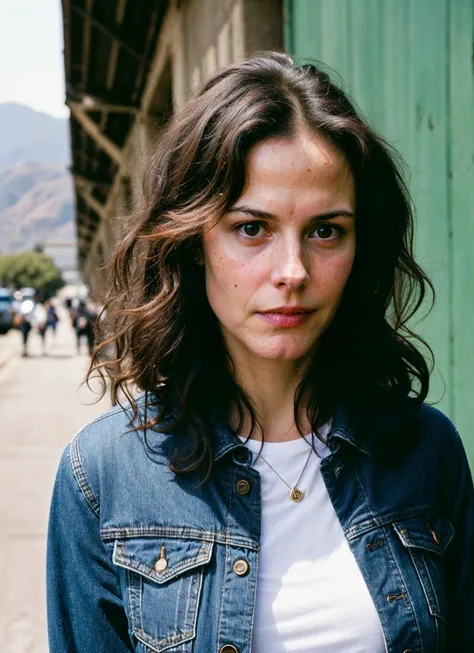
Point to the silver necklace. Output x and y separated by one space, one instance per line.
295 494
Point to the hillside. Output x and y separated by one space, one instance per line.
35 205
36 192
27 135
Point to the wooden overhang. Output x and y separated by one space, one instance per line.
108 47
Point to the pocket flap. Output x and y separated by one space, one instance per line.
430 533
142 554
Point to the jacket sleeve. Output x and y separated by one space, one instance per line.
85 609
460 557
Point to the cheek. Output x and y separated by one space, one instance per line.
335 276
230 271
227 285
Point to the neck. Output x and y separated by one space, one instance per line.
271 386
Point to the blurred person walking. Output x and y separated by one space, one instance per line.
84 321
52 316
39 320
23 320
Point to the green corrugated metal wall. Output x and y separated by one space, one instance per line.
409 65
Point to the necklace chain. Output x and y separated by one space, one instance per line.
295 493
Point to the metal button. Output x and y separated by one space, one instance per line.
242 455
228 648
241 567
162 563
242 486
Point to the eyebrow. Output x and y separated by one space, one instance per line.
257 213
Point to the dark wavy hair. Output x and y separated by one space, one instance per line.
164 335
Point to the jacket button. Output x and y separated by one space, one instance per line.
242 454
228 648
242 486
241 567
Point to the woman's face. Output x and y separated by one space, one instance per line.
277 263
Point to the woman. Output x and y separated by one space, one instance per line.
279 485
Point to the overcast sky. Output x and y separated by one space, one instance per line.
31 55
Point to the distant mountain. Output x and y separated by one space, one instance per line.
35 205
36 190
28 135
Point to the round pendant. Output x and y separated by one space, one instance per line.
296 495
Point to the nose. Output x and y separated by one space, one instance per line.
289 269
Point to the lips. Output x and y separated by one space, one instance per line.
287 316
288 310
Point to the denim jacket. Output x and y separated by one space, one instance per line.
140 559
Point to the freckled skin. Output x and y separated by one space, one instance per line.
289 261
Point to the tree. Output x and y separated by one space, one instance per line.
32 270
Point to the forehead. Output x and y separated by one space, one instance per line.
302 169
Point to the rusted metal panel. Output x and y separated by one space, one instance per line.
408 64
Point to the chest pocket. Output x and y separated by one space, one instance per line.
164 580
427 540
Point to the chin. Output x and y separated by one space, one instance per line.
286 350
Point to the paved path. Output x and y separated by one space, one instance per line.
41 408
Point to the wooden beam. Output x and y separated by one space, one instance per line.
86 227
93 130
91 100
160 59
85 224
91 181
86 238
111 31
86 43
119 16
88 104
92 202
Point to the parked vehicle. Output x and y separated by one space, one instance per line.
6 310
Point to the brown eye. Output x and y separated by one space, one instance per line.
329 232
325 231
251 229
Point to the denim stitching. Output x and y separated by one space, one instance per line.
227 554
138 628
131 595
400 579
117 533
80 476
418 560
162 644
188 599
129 563
198 601
379 522
121 560
178 605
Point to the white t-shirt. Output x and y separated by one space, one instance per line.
311 596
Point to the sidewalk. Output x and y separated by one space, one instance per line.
41 408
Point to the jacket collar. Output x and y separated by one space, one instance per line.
379 434
343 429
